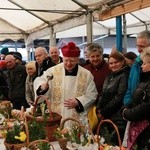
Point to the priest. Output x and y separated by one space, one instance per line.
72 89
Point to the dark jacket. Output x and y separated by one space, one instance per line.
113 92
60 60
3 85
16 80
140 108
47 63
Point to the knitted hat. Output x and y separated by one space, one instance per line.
70 50
17 55
4 50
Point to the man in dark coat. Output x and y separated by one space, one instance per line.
16 81
43 61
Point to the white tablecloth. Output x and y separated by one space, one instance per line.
2 146
55 144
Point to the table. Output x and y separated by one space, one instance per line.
55 144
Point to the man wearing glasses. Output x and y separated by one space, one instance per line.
143 41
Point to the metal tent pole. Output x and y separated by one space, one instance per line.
119 33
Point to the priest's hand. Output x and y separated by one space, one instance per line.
44 86
71 103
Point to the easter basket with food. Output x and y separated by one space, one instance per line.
42 113
18 136
105 146
75 136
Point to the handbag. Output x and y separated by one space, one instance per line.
135 129
92 117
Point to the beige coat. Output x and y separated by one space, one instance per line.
29 89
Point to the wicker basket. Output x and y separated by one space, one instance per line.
8 124
5 103
116 129
14 146
52 122
63 141
5 108
34 145
10 146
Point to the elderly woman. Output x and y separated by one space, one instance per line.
97 66
114 88
139 110
31 71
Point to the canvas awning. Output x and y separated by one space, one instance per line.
34 19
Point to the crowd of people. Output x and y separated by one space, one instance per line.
118 87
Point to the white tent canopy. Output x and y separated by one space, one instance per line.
34 19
